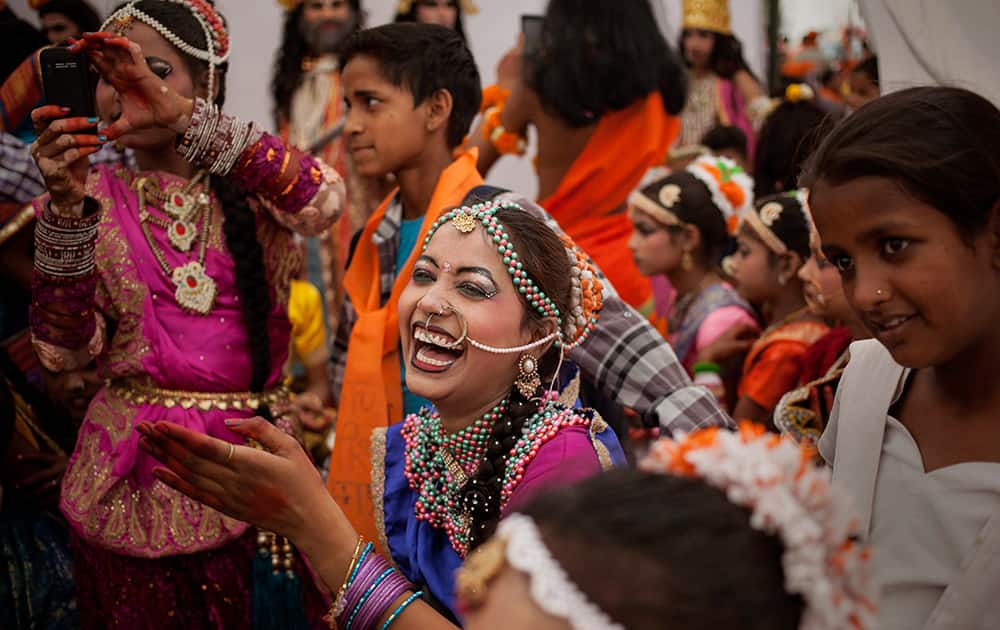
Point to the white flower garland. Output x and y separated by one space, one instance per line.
551 588
791 498
737 175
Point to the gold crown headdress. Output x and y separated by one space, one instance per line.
707 15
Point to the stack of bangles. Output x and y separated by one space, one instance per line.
369 589
505 142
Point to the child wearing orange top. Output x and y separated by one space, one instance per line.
773 243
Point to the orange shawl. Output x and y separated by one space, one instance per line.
372 395
774 363
590 201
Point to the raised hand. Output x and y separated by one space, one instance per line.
61 151
278 488
146 99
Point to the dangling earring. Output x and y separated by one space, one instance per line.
527 381
687 261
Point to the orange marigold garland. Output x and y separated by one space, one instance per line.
789 497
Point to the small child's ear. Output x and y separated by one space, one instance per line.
439 106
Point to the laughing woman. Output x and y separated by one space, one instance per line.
494 302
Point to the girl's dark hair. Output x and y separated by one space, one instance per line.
696 207
868 67
240 224
411 16
727 55
725 137
657 551
787 138
78 11
544 258
288 70
444 63
596 56
792 227
941 144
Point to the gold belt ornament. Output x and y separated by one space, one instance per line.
143 394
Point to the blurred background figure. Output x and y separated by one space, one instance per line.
447 13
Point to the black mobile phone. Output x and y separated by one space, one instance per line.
67 81
531 28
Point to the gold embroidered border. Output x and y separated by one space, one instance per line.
25 216
598 425
378 487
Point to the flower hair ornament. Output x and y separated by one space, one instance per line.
791 498
762 219
519 544
216 50
729 184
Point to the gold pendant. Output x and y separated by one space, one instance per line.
195 290
179 205
181 235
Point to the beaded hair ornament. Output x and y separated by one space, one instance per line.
216 50
587 290
791 498
519 544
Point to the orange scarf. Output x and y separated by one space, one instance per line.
372 396
589 203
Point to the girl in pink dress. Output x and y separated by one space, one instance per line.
176 278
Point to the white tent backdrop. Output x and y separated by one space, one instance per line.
256 30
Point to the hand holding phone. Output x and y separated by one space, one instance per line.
67 82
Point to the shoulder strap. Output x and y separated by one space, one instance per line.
864 396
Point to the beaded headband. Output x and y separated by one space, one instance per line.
791 498
519 544
216 36
587 290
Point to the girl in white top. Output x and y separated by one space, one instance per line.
906 197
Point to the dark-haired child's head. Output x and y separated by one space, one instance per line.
728 141
864 83
906 197
62 19
410 88
787 137
693 227
651 551
585 45
772 245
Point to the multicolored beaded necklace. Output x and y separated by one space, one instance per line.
437 465
428 451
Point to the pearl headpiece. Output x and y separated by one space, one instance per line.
217 47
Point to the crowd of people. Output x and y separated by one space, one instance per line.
732 368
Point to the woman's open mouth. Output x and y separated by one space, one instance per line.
434 349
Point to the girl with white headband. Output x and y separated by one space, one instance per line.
718 530
495 301
175 278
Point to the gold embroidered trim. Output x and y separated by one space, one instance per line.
25 216
378 488
137 392
571 393
598 425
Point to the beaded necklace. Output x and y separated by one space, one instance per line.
438 465
430 474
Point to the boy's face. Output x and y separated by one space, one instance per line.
384 132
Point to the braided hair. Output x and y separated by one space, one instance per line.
544 258
240 224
